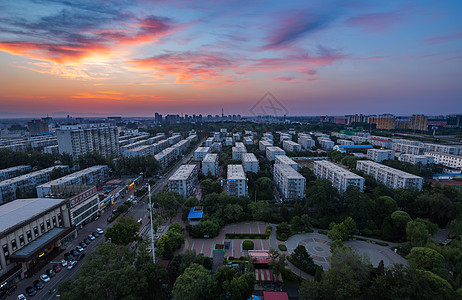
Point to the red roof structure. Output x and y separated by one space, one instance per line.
275 296
380 140
265 275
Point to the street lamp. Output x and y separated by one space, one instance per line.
150 216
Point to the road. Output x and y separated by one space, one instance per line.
137 212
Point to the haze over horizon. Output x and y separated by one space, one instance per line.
134 58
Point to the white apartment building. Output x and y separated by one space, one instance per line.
237 152
272 152
250 162
51 149
201 152
380 155
166 156
229 141
448 160
380 142
216 147
209 142
237 182
358 140
25 184
95 175
210 164
76 142
306 142
263 144
407 142
289 182
340 135
448 149
248 140
184 181
284 159
236 137
174 139
268 135
326 143
13 171
408 149
290 146
345 142
390 177
340 178
415 159
284 137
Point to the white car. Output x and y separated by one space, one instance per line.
71 264
91 237
63 263
45 278
79 248
100 231
21 297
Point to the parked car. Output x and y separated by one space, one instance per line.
71 264
3 294
30 291
51 273
100 231
21 297
87 241
83 245
95 234
78 248
57 268
63 262
91 237
11 289
38 285
45 278
68 256
80 256
75 253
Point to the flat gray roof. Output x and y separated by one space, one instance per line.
23 210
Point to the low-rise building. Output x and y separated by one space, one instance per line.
380 155
210 164
345 142
184 181
209 142
263 144
289 182
408 149
415 159
201 152
450 161
306 142
237 152
284 159
237 182
448 149
248 140
13 172
272 152
340 178
229 141
380 142
250 162
290 146
326 144
390 177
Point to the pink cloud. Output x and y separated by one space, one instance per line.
376 22
443 38
283 79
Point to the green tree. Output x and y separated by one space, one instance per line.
227 283
429 260
170 241
417 233
191 285
302 260
258 210
264 187
277 263
123 232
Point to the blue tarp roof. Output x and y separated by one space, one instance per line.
195 214
356 146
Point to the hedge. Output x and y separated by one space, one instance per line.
248 245
282 247
247 236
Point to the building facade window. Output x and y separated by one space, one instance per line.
13 245
21 240
6 253
48 224
36 232
54 221
29 236
42 227
60 220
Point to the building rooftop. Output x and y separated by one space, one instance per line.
355 146
236 172
30 175
211 157
274 149
203 149
249 157
22 210
12 169
73 176
288 171
285 160
183 172
440 153
338 170
195 213
380 140
388 169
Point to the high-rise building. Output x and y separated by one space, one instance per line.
80 141
385 121
37 127
419 122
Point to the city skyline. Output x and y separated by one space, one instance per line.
134 58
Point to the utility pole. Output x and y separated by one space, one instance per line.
152 233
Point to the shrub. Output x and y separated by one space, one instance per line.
219 246
282 237
282 247
248 245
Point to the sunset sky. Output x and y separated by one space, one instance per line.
134 58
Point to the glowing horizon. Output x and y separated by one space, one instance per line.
134 58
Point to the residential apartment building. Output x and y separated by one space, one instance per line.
209 142
380 155
326 144
237 182
184 180
248 140
25 184
250 163
30 230
237 152
290 146
380 142
284 159
340 178
210 164
408 149
76 142
263 144
272 152
448 149
306 142
415 159
96 175
201 152
13 172
289 182
451 161
419 122
358 140
390 177
385 121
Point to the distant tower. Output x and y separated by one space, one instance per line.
222 114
